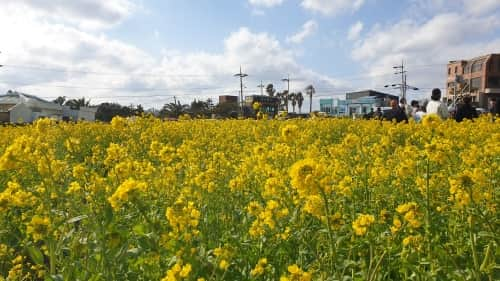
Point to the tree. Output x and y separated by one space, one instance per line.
139 110
293 99
227 109
106 111
310 92
280 97
285 97
270 90
60 100
173 110
77 103
300 99
200 108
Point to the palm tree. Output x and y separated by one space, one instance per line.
285 99
173 110
60 100
270 90
293 99
310 92
280 97
77 103
300 99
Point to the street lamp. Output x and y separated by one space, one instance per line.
287 91
241 75
396 86
261 86
402 87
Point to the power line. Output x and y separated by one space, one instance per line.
187 75
110 88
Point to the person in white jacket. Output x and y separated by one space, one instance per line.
435 106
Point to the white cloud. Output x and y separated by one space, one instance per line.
50 59
354 31
332 7
481 7
266 3
426 47
307 29
88 14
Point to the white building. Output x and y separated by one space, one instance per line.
17 107
82 114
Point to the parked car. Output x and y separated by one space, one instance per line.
481 111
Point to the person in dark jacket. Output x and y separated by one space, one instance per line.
378 114
466 110
493 107
395 113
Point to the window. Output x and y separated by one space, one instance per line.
456 69
467 68
493 82
449 70
475 84
477 66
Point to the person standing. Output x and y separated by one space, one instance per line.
406 107
465 110
378 114
493 107
395 113
419 114
435 106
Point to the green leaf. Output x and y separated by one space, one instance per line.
78 218
139 229
57 277
108 214
35 254
486 234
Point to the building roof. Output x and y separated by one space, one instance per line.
474 58
13 97
367 93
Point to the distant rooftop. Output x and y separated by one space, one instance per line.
475 58
13 97
11 93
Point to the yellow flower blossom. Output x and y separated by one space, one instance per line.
38 227
361 224
126 191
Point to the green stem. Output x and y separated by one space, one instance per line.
330 235
477 273
428 211
374 271
52 257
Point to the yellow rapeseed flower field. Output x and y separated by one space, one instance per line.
305 199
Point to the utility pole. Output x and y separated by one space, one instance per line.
288 90
403 87
401 70
241 75
261 86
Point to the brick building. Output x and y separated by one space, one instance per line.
478 77
228 99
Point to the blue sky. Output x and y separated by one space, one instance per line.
148 51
